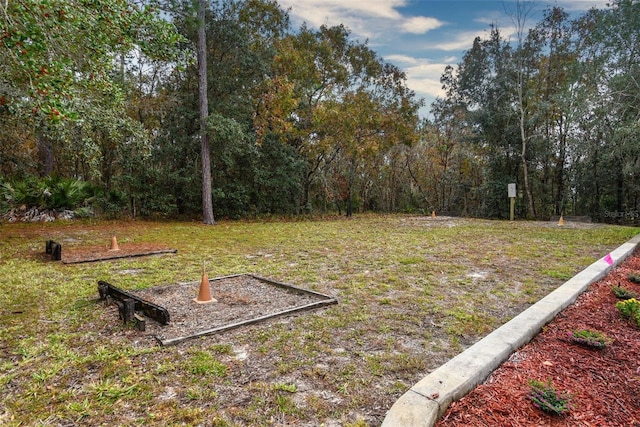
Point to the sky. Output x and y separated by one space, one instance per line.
421 37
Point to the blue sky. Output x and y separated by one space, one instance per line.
421 37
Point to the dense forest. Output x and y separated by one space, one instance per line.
190 108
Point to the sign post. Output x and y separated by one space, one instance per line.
511 190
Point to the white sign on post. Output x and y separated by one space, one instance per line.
511 189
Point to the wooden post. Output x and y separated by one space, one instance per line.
55 249
128 310
511 190
141 323
149 309
512 207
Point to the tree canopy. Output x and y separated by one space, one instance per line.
312 119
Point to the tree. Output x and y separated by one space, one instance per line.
46 63
608 52
203 96
325 85
240 38
522 13
58 62
558 102
483 92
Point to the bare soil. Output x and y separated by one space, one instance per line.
237 300
103 253
604 384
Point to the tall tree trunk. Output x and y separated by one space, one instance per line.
207 203
560 173
525 169
45 152
620 202
523 11
350 179
525 173
595 205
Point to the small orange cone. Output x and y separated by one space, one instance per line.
204 294
433 214
561 221
114 244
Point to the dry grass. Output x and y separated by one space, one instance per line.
412 292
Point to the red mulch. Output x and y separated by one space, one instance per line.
605 384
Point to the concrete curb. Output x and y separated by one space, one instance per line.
424 403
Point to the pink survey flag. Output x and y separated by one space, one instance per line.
608 259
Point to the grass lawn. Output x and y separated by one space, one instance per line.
412 291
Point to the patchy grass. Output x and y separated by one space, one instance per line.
412 291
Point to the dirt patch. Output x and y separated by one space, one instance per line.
450 222
605 384
239 300
96 253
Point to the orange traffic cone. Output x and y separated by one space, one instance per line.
561 221
114 244
204 294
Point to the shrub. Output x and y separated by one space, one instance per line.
545 397
623 293
68 193
4 203
26 192
112 203
630 309
590 338
47 193
634 277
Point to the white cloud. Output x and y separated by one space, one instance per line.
424 79
376 20
318 12
401 59
423 76
420 24
578 5
407 39
460 41
426 88
365 18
